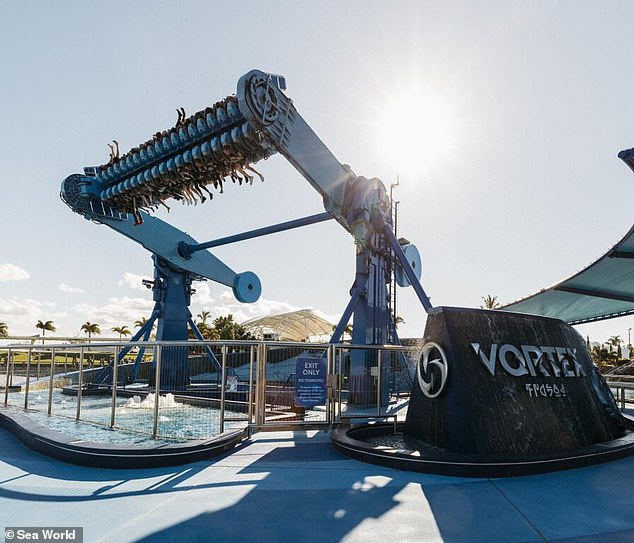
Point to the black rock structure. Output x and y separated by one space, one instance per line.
498 394
492 382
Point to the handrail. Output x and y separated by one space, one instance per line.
621 384
621 387
214 343
249 407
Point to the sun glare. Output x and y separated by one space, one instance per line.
418 132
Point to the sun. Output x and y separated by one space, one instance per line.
418 131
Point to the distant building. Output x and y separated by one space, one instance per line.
302 325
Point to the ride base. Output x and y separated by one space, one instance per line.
499 394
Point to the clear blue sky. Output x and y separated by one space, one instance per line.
532 191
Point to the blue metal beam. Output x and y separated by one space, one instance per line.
186 250
345 318
146 335
199 336
409 272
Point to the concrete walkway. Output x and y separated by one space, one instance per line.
291 487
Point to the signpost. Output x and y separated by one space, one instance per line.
310 381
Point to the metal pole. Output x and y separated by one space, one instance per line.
157 388
80 383
330 397
114 386
186 250
407 268
340 382
10 382
328 385
345 317
378 386
395 290
223 379
265 354
50 382
260 393
28 379
6 379
251 387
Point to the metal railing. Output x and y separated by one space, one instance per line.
623 390
196 390
93 383
380 394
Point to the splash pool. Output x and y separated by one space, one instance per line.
178 422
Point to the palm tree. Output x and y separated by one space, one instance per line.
46 326
602 357
90 328
490 302
203 316
122 330
615 342
140 322
229 329
209 332
4 329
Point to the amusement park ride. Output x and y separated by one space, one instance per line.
497 392
224 141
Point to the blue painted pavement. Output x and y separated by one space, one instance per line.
291 486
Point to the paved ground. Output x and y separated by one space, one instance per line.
291 486
15 380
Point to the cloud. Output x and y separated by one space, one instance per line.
115 312
132 280
21 314
67 288
219 302
203 295
20 307
11 272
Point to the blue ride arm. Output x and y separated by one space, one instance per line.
348 198
160 238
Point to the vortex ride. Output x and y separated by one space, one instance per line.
465 416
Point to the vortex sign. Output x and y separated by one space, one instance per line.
432 370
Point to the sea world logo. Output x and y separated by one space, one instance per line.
531 360
432 370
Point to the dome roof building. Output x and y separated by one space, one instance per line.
302 325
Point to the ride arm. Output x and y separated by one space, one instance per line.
161 239
213 145
353 201
360 205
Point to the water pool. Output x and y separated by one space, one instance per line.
134 418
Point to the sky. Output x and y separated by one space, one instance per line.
518 189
